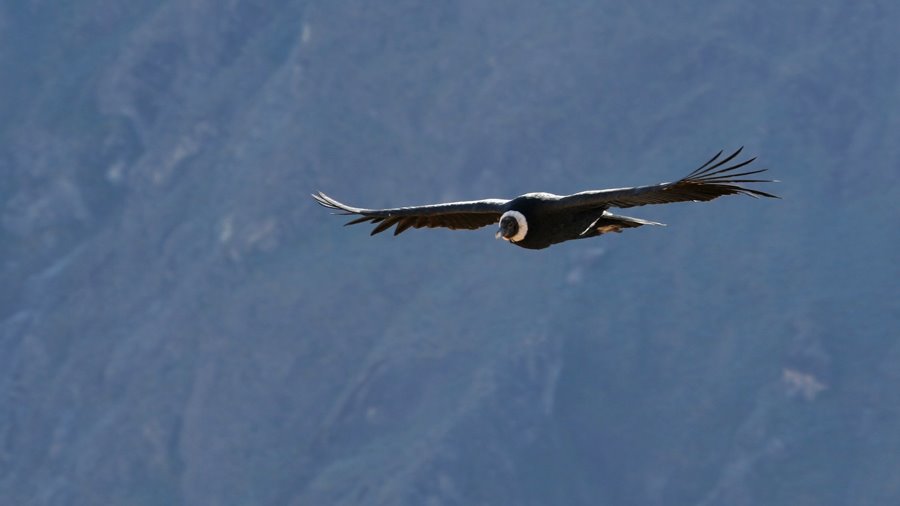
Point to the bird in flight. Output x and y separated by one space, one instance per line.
539 220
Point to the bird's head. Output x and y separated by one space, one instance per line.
513 226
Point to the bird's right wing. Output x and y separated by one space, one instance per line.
454 215
710 181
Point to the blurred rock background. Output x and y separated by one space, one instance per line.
181 324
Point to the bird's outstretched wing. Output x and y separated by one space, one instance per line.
711 180
453 215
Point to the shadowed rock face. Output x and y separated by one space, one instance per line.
179 324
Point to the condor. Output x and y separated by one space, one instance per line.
539 220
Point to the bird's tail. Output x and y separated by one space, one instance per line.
614 223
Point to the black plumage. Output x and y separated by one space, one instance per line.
538 220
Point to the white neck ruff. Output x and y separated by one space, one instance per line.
520 220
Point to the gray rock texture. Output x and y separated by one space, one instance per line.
181 325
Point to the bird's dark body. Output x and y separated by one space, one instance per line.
539 220
547 227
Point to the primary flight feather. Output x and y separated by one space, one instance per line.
538 220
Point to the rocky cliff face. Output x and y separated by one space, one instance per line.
180 324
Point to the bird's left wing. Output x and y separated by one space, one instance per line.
713 179
454 215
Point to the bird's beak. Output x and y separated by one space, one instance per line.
498 235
